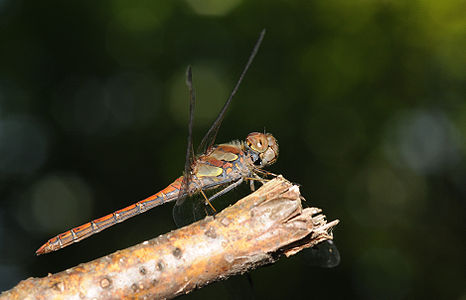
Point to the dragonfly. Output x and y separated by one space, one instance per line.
224 166
220 167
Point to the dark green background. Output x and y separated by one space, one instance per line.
366 98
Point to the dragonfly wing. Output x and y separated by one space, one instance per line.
207 142
189 158
186 212
189 211
209 138
181 213
324 254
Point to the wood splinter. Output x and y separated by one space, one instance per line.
257 230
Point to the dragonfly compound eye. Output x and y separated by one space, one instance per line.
265 146
257 141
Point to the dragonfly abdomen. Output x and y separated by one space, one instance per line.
76 234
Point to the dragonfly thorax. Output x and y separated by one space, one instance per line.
262 148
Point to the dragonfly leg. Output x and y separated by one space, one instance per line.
255 178
208 202
251 185
220 193
227 189
264 172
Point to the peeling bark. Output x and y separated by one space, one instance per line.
257 230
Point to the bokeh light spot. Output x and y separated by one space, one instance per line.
386 189
132 99
384 196
424 141
341 138
3 4
211 87
23 145
213 7
106 107
89 110
59 202
140 15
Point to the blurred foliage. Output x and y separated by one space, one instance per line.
366 98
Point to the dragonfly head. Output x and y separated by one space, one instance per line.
263 148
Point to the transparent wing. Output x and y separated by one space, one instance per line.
324 254
189 158
190 211
209 139
183 212
178 213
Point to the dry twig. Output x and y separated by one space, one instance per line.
257 230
